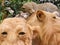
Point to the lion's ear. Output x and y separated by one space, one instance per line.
40 15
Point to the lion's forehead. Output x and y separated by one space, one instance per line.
13 24
20 27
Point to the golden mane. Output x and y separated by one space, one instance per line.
50 26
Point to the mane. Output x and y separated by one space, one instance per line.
50 28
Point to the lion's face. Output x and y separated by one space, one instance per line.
41 17
30 7
15 31
49 24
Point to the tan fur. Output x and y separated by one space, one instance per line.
50 7
50 27
15 31
31 7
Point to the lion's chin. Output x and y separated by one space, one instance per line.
13 43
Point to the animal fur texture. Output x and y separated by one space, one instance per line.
14 31
50 7
31 7
50 27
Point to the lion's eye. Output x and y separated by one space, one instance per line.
21 33
4 33
54 17
29 9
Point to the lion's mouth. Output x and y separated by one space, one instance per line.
13 43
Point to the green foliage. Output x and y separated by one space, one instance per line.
37 1
0 7
15 5
1 15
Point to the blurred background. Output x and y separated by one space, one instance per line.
15 6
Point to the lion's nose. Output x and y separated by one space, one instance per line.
12 37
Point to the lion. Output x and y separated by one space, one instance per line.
50 7
49 24
31 7
16 31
